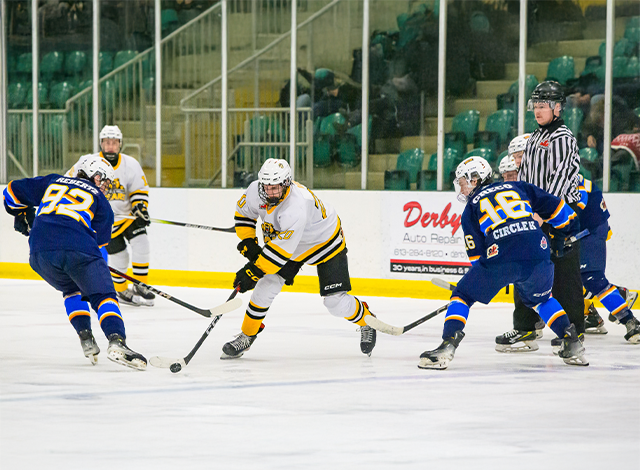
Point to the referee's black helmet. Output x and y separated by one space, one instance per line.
548 91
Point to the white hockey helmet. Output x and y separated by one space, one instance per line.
274 172
473 168
518 144
508 163
111 132
94 167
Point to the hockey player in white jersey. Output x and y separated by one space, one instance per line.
298 228
130 197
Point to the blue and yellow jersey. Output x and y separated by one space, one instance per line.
498 222
72 213
594 210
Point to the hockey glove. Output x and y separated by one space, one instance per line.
289 271
140 211
557 246
250 249
23 221
248 277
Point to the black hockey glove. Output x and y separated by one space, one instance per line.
557 244
141 212
23 221
250 249
248 277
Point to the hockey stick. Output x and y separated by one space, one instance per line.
176 365
183 224
229 306
383 327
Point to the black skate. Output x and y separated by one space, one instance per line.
633 330
367 339
539 328
128 297
89 346
119 352
593 322
236 348
440 357
145 296
517 341
572 351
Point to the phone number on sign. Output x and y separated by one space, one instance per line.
430 253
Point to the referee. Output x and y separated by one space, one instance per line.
551 162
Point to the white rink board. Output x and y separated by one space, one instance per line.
366 224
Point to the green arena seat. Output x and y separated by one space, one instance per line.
467 122
16 95
43 94
60 93
51 65
590 163
561 69
396 180
530 123
456 140
573 118
411 161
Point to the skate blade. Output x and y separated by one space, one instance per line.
428 364
93 358
510 348
146 302
225 356
119 358
635 339
633 296
596 330
576 361
539 334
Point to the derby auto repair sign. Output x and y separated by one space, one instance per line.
424 235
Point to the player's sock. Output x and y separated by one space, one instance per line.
554 316
78 312
361 311
613 301
110 317
253 319
456 317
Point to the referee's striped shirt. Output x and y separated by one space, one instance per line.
551 161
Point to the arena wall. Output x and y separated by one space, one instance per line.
396 240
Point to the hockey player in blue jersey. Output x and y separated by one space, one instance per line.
505 245
593 260
73 220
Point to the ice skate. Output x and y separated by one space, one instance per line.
440 357
593 322
517 341
146 297
633 331
556 343
572 351
367 339
89 346
128 297
539 328
236 348
119 352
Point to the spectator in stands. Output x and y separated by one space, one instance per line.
623 120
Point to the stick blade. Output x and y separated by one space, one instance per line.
442 283
383 327
226 307
165 362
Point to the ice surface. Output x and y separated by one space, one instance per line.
304 396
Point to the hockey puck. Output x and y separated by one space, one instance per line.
175 367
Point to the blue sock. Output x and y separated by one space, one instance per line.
78 312
554 316
613 301
110 317
456 317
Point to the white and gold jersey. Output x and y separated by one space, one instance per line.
130 187
300 228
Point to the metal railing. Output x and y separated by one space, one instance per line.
254 89
256 134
